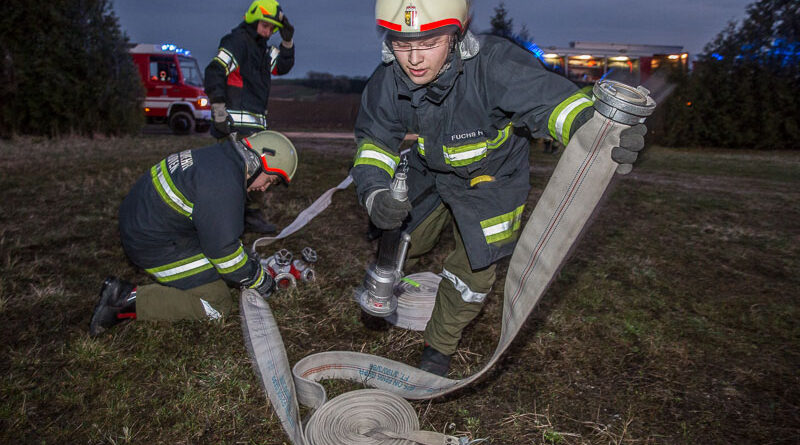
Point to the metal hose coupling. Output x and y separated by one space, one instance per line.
376 294
623 103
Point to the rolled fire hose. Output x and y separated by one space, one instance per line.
567 203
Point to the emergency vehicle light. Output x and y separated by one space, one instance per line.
175 49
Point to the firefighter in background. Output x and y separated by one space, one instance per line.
181 223
466 97
237 82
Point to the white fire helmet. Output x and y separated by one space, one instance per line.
418 18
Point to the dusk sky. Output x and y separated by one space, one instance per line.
339 36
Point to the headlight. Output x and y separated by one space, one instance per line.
202 102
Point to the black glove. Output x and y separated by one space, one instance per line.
287 30
386 212
631 141
265 287
223 122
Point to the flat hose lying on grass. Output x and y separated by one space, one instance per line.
378 416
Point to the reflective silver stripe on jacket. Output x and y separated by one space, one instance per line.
248 119
168 274
467 294
226 59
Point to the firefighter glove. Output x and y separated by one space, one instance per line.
223 122
287 30
631 142
386 212
262 283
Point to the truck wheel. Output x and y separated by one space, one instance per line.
181 122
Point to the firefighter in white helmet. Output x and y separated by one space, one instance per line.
472 101
181 223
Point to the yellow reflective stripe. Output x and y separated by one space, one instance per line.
370 154
180 269
502 227
226 59
259 280
421 145
467 154
167 190
231 262
502 137
560 122
482 178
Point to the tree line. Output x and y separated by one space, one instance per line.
66 70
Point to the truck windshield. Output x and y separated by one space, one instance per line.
190 71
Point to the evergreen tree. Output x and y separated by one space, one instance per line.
502 24
744 87
70 67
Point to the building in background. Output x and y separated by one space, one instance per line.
588 62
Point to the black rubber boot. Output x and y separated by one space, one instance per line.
254 222
113 307
434 361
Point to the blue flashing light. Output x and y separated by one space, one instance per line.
531 47
717 56
175 49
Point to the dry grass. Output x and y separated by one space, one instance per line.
675 321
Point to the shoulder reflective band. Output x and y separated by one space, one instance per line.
462 155
371 154
273 57
226 59
569 199
180 269
247 119
560 122
231 262
502 227
167 190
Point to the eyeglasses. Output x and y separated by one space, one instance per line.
405 46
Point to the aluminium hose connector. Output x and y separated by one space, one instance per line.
623 103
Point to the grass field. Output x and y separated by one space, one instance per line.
675 321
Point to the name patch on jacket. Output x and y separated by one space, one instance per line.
183 159
465 136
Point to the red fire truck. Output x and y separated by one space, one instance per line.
174 85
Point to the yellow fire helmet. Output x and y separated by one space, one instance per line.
266 10
276 153
418 18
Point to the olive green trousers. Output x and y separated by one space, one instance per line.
159 302
459 297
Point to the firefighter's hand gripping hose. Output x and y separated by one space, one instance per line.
375 416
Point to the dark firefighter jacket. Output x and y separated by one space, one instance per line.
471 152
182 220
240 74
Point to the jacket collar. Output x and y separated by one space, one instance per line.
251 30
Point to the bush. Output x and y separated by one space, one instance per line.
743 90
66 69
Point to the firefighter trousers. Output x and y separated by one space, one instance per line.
159 302
461 292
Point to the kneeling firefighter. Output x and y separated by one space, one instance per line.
471 100
181 223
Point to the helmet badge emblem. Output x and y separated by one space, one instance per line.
411 16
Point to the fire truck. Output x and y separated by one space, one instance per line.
174 85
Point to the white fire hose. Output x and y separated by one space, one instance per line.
382 416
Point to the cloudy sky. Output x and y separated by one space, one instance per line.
339 37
